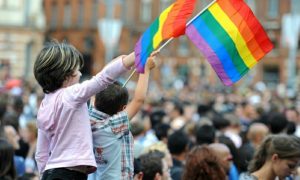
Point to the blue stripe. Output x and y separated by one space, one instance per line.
218 48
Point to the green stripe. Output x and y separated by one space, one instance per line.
226 40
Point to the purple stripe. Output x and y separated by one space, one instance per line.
210 55
138 61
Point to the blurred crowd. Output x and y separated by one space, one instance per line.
193 131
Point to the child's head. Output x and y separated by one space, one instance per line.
56 64
112 99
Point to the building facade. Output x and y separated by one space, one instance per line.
81 22
22 26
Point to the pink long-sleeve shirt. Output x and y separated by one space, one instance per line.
64 130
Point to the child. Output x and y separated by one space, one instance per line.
113 142
64 144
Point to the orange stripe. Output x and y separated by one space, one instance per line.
243 27
168 28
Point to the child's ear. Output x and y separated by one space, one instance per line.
124 107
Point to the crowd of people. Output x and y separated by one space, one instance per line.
98 129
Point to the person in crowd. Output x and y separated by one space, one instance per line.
138 174
178 143
203 163
64 144
161 131
277 157
278 123
7 166
30 137
13 138
205 134
154 166
162 147
255 135
110 115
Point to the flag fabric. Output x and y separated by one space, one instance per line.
170 23
230 37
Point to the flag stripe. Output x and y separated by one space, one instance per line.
243 27
233 40
252 22
223 37
213 59
158 37
218 48
170 23
236 37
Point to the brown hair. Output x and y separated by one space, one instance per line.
203 164
55 63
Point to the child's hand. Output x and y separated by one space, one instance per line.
151 60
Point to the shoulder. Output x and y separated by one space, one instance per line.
247 176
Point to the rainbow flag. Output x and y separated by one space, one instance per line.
230 37
170 23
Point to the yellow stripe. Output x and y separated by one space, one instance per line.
158 35
234 34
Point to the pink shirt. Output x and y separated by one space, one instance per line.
64 130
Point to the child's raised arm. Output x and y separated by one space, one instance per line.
141 89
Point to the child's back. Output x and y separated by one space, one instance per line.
112 139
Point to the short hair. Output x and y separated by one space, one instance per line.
161 130
151 163
286 146
111 99
278 122
55 63
178 142
205 134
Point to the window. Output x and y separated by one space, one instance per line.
204 3
295 7
273 8
3 3
54 15
80 17
183 48
164 4
67 15
251 4
95 9
146 7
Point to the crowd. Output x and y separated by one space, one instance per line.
196 131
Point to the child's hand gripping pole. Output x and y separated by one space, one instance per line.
151 64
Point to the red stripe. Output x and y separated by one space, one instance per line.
243 28
254 25
175 23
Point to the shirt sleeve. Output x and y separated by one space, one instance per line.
81 92
119 124
42 151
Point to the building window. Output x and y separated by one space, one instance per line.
13 4
67 15
204 3
54 15
95 9
80 17
183 48
251 4
164 4
295 7
3 3
273 8
146 7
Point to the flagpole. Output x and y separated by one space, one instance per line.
169 40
